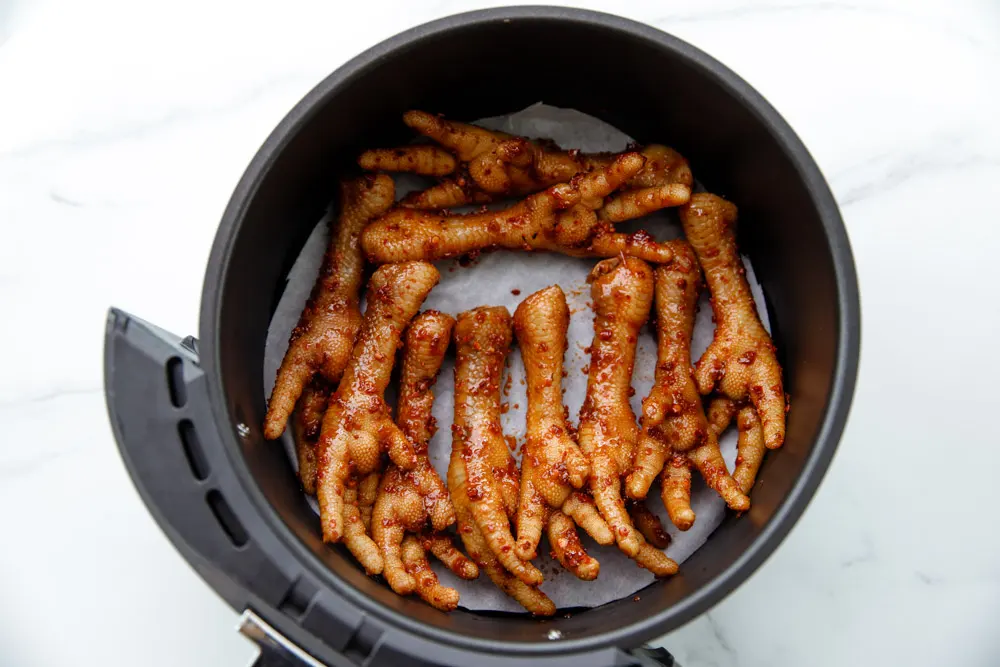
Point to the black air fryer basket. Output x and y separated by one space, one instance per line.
187 413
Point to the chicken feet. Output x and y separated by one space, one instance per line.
740 362
407 499
552 464
357 427
560 219
482 474
675 430
648 524
322 341
498 165
622 292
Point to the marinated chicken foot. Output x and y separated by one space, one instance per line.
357 501
673 420
496 165
367 494
552 464
622 293
357 427
414 553
529 597
322 341
648 524
740 363
750 445
482 475
567 547
408 499
306 422
560 219
423 160
665 181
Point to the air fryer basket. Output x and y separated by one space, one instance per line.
188 421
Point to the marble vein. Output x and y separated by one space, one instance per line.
928 579
719 633
59 199
882 174
866 555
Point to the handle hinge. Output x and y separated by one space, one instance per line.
276 650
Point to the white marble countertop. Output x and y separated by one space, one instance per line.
124 127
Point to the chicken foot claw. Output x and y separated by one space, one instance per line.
306 422
426 583
322 341
648 524
357 427
552 464
750 446
664 181
622 292
423 160
356 531
482 474
479 378
740 362
529 597
408 499
674 426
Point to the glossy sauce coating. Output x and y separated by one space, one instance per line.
358 499
750 446
648 524
423 160
622 292
482 475
495 165
408 499
306 422
673 421
552 464
740 363
357 427
560 219
322 341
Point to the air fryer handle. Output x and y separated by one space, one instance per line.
153 387
158 404
653 656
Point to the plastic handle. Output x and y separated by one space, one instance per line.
158 407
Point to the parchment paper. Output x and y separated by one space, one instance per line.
505 278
